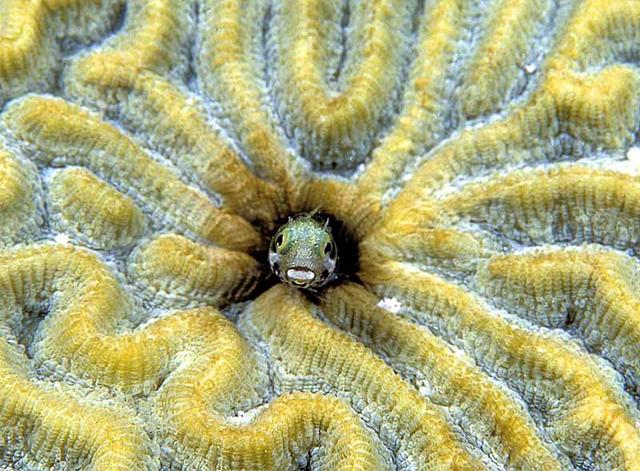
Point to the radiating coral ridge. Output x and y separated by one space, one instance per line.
475 159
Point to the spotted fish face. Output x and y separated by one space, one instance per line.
303 253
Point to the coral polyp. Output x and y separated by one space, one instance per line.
469 158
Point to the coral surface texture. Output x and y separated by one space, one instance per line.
478 162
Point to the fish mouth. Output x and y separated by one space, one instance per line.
300 276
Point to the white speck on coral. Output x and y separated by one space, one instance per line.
61 238
246 417
633 155
632 164
390 304
530 68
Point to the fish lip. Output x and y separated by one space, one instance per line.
306 276
298 284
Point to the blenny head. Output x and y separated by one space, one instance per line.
303 252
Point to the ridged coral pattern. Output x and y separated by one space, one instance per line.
474 150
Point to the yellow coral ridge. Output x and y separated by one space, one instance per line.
596 108
54 127
59 427
452 380
173 124
591 291
499 58
177 266
310 349
93 307
29 55
274 439
409 240
94 210
571 203
86 340
338 125
170 119
228 66
20 25
360 212
420 120
147 42
18 198
594 416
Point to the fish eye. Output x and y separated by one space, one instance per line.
279 240
328 248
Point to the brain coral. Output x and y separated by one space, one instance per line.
477 155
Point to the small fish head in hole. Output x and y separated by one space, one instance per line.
303 252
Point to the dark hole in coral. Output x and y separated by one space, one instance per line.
305 461
347 248
570 316
26 330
